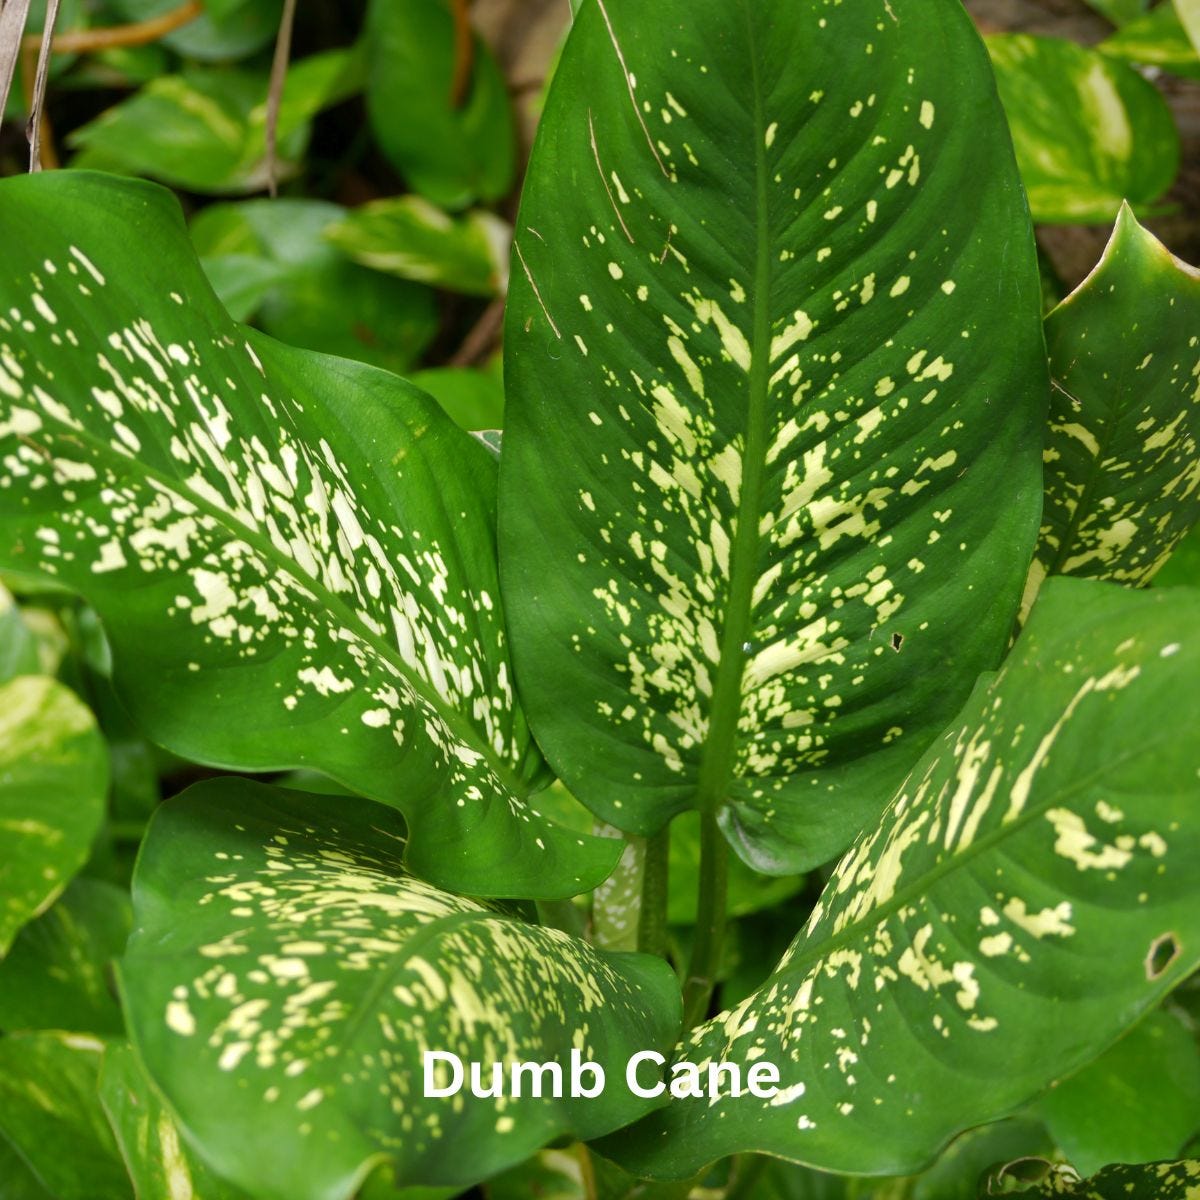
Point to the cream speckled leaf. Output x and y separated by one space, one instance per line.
284 978
160 1162
53 784
757 421
50 1113
1153 1181
1031 892
1090 132
1122 459
293 555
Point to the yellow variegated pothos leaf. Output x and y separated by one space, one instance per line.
285 978
757 420
1123 450
294 556
53 787
1029 894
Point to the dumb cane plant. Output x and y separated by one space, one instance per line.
754 549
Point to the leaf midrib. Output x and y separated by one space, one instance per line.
718 761
462 730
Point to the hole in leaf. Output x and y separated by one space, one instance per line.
1163 952
1017 1175
897 641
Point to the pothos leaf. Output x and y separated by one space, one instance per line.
50 1113
266 533
754 428
285 977
56 974
1122 454
53 783
1030 893
1090 132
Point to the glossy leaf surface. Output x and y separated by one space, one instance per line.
752 427
293 556
285 978
1030 893
53 783
1122 454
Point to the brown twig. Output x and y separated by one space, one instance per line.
464 53
13 16
482 337
279 70
39 124
116 37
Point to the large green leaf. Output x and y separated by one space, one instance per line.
293 556
56 974
1122 459
1090 132
1138 1103
50 1113
1029 894
284 979
53 782
159 1160
451 149
757 418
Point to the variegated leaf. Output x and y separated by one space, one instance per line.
1122 454
293 556
53 785
285 978
1090 132
1152 1181
1030 893
50 1113
757 421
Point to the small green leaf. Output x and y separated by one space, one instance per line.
285 978
50 1112
1139 1102
1157 39
204 130
1090 132
56 975
53 782
1189 16
161 1163
1029 895
751 552
1119 12
293 556
407 236
304 291
452 150
1122 454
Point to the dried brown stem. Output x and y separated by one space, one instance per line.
279 70
116 37
464 53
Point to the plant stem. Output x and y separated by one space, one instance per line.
652 918
710 922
